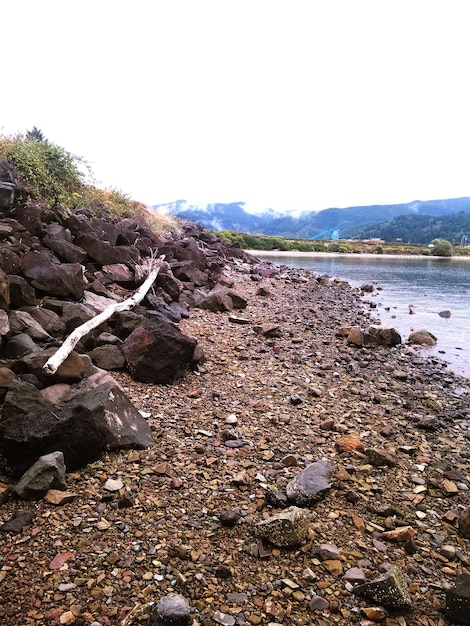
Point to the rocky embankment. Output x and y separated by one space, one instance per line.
241 448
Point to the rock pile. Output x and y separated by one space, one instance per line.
58 271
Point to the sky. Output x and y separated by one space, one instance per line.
294 105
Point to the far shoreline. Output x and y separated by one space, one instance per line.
366 255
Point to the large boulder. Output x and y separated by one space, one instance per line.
158 352
64 280
95 420
105 253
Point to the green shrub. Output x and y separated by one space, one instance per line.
441 247
51 173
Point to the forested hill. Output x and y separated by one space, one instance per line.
416 228
234 216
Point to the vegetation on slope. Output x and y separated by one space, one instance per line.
51 175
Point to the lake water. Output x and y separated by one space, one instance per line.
431 285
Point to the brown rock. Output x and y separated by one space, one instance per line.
402 533
464 523
349 443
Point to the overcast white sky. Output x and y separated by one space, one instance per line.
289 104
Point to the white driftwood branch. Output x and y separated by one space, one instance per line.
51 366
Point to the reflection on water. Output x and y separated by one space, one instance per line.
431 285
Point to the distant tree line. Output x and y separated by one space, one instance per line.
414 228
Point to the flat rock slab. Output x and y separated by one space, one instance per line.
311 484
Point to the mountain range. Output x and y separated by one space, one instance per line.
350 221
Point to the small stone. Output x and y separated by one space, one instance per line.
230 517
172 609
464 523
54 496
16 524
311 484
318 603
402 533
375 613
334 566
289 461
234 443
223 571
295 399
113 485
382 456
349 443
448 552
126 501
223 618
67 618
327 551
5 492
288 528
355 576
47 473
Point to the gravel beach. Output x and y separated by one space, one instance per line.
279 389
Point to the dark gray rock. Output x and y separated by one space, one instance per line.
22 398
47 473
49 320
55 279
458 600
104 252
23 322
19 345
389 590
20 520
21 292
65 250
311 484
95 420
172 610
108 357
72 370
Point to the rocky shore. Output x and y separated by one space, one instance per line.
294 476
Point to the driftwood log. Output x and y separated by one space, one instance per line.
52 364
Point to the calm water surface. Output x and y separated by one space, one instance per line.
431 285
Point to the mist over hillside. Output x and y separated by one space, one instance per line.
349 221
